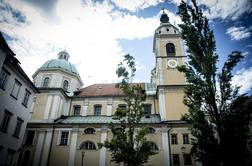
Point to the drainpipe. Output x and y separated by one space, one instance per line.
169 142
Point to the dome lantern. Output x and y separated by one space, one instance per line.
63 55
164 17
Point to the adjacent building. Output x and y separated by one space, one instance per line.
68 121
16 102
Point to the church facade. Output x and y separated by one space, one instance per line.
68 121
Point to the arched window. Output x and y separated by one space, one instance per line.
170 49
46 82
89 131
153 146
65 85
87 145
151 130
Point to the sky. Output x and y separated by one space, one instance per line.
97 33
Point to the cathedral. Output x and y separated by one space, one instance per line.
67 121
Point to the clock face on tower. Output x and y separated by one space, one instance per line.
172 63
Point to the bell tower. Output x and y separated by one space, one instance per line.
169 53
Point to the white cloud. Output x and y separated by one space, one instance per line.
238 33
243 78
227 8
135 5
224 9
89 30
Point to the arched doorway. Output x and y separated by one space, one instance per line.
26 158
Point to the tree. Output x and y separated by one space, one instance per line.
219 126
129 144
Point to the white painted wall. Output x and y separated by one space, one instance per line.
15 106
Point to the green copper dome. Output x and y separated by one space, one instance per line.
61 63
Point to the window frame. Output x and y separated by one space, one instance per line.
175 159
4 77
26 97
18 127
46 84
170 50
174 138
151 130
186 138
95 111
89 130
5 123
122 106
87 145
148 112
65 86
187 159
64 138
153 146
16 83
75 108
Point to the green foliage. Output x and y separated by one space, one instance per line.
217 125
129 144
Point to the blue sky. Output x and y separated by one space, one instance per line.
97 34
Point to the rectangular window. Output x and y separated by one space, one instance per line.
97 110
4 75
15 89
147 109
64 137
5 121
187 159
175 159
76 110
26 97
174 139
29 137
185 138
122 107
18 127
9 157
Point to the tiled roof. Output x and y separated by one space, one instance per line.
100 90
102 119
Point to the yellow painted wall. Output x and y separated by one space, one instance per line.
59 154
174 103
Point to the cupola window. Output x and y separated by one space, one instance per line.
65 85
46 82
170 49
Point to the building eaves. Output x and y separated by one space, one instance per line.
103 120
4 46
